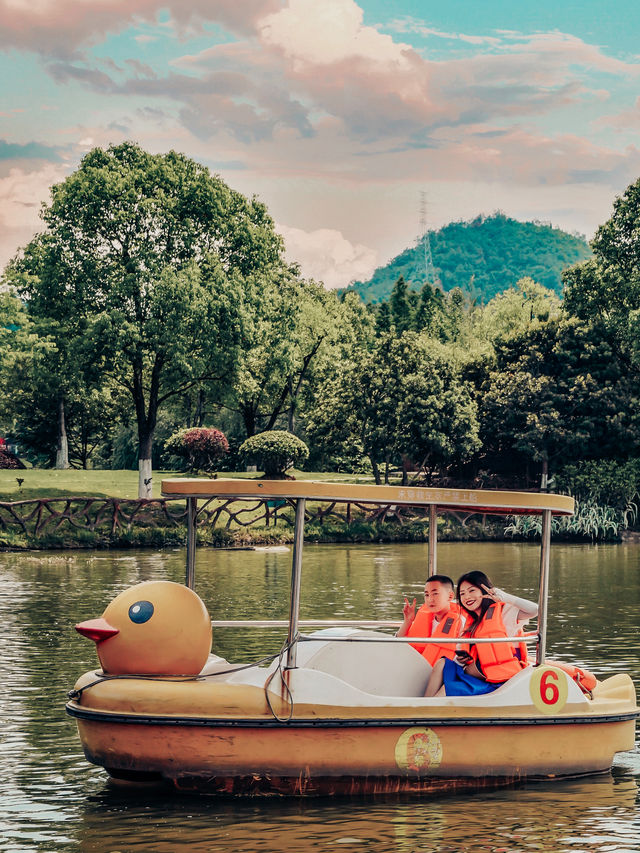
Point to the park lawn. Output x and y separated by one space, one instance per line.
74 482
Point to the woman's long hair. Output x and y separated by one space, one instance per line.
480 580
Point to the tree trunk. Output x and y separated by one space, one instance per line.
145 473
292 409
146 421
544 478
62 447
376 470
198 418
249 420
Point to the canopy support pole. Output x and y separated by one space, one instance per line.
433 539
296 573
192 514
544 586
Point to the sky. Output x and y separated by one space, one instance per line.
337 114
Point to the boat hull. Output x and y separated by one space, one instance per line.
308 731
355 758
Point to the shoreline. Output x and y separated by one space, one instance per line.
68 523
246 539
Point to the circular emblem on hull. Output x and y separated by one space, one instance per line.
418 749
549 689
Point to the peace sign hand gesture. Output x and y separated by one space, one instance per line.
409 611
491 592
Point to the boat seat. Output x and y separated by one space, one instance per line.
215 664
382 669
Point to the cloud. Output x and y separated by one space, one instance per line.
311 65
28 151
324 33
309 102
21 194
411 25
327 256
626 120
97 81
60 27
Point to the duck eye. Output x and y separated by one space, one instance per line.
141 612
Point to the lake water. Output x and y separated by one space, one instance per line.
51 799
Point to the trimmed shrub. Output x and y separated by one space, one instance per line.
274 452
200 447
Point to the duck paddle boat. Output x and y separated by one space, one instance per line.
341 709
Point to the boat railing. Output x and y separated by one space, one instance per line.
531 638
365 624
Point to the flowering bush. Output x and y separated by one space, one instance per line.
200 447
274 451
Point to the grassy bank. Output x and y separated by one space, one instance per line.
151 529
156 534
49 483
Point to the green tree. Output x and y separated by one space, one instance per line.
607 288
430 316
401 304
559 393
19 343
403 398
146 260
274 452
384 319
288 323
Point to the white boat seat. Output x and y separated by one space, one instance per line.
215 664
383 669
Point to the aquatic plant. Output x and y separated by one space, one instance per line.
597 522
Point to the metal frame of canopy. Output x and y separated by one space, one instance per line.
437 499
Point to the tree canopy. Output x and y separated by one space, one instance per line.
157 299
145 265
607 288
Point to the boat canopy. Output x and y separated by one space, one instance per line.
474 500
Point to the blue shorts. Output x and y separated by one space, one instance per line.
458 683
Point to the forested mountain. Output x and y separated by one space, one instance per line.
483 257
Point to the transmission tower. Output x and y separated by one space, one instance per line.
429 269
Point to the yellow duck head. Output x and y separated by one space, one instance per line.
153 628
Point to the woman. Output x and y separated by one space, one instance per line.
480 668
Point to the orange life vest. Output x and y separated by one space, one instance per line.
585 680
497 662
449 626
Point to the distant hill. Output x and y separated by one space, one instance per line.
483 257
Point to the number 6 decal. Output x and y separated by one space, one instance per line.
549 692
548 689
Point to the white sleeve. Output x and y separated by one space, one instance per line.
524 609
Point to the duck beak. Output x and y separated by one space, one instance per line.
97 630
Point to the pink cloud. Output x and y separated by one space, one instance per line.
626 120
60 27
22 191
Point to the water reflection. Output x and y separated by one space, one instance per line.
583 815
51 799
